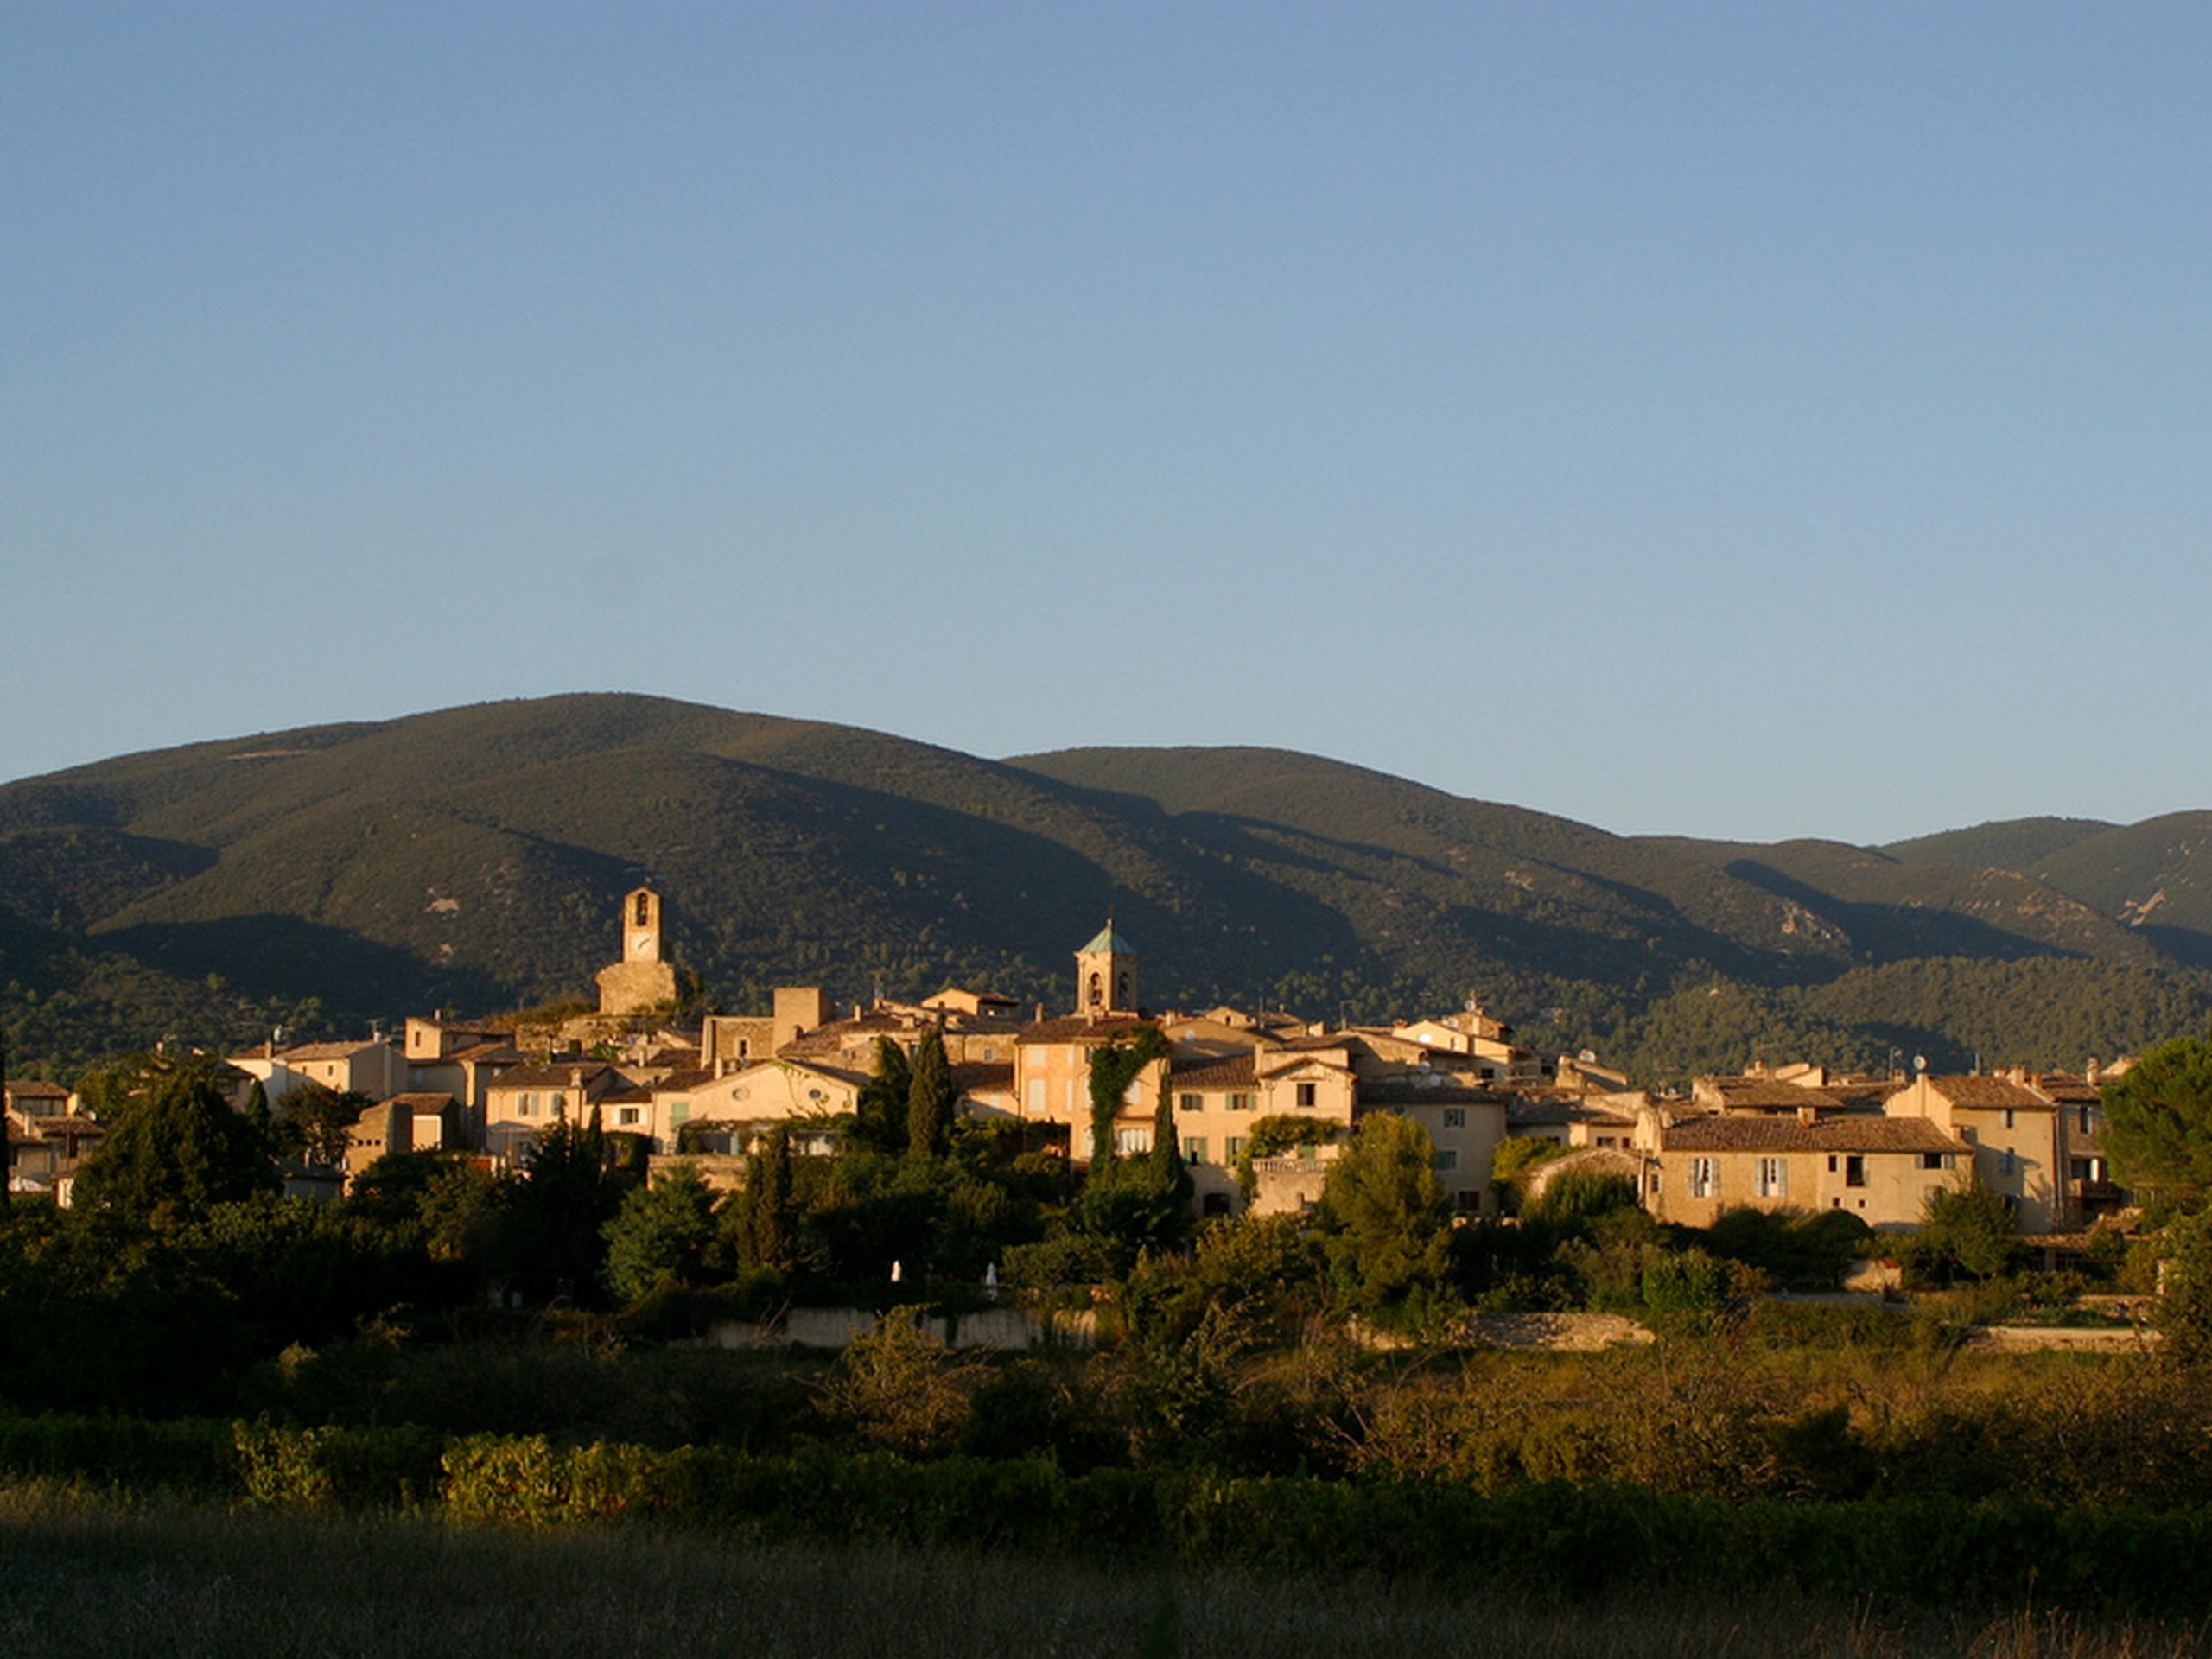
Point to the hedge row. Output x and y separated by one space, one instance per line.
1555 1538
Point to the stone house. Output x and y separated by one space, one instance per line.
48 1137
531 1099
2017 1133
1881 1169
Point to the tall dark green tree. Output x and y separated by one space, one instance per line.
173 1148
317 1122
765 1211
930 1097
559 1212
880 1119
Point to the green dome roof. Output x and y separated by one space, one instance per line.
1107 939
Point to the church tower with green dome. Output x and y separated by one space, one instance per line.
1106 975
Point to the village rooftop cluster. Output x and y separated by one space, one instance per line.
1792 1138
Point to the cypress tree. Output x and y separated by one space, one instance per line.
930 1097
763 1230
880 1119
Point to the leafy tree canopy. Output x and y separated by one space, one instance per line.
1385 1221
661 1234
173 1148
2158 1128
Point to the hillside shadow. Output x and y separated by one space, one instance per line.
271 955
2187 945
1899 932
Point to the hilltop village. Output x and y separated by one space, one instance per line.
1791 1138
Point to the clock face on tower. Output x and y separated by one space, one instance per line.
641 946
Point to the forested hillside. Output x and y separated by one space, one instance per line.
470 858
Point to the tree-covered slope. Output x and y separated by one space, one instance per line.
2020 844
1892 910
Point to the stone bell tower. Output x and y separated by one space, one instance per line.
1106 975
641 980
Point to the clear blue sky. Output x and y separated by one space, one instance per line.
1746 420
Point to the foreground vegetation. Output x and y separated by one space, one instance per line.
89 1575
1292 1398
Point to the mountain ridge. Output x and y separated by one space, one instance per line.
470 857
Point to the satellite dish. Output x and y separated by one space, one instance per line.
1920 1061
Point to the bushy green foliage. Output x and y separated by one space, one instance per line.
173 1148
1384 1220
1580 1195
1512 1158
1795 1249
2159 1122
896 1386
661 1235
313 1123
1969 1231
2185 1289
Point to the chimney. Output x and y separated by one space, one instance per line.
1807 1114
2089 1071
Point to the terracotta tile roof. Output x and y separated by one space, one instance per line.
1223 1072
994 1076
1988 1094
1844 1132
482 1054
1766 1095
1403 1091
2070 1092
677 1083
1285 1065
326 1051
428 1101
1558 1110
571 1074
1865 1094
1079 1027
33 1087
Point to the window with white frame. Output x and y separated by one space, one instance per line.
1774 1178
1455 1117
1705 1178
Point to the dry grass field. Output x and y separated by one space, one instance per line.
86 1574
